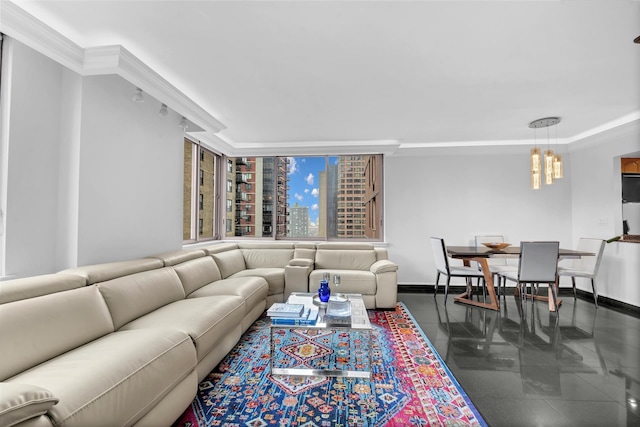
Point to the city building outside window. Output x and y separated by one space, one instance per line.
199 192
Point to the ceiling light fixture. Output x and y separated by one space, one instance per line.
138 96
163 110
552 163
183 123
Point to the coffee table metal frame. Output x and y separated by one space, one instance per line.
359 322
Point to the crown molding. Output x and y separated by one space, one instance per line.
118 60
17 23
311 148
102 60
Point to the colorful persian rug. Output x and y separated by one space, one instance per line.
410 385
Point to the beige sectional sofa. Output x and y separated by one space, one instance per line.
126 343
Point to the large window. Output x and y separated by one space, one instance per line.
316 197
199 193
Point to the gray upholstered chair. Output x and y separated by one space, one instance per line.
538 264
442 267
586 266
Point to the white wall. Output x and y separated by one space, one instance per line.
90 175
31 175
597 209
131 172
460 193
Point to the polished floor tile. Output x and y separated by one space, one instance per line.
525 366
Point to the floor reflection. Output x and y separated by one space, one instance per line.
581 367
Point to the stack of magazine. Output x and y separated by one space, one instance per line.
292 314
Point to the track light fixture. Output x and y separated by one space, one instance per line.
138 96
163 110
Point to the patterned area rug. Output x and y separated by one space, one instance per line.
410 385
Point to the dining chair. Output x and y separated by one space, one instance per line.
586 266
496 264
442 267
538 264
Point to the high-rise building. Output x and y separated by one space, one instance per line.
299 221
254 184
350 190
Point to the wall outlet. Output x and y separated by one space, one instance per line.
603 221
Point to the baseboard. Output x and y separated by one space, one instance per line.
619 306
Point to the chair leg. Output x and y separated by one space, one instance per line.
595 291
552 291
573 282
446 289
435 290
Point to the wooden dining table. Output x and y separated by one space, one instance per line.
481 254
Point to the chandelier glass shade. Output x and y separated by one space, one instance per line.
552 162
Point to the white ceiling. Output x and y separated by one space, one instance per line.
416 72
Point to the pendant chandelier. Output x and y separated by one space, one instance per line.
552 162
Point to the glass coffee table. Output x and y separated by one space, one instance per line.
333 347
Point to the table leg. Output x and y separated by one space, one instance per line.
465 298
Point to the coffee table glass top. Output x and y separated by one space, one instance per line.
359 316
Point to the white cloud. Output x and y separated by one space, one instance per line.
309 179
298 196
315 192
306 190
293 165
314 207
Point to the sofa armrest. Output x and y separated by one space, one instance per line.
383 266
296 276
21 402
301 262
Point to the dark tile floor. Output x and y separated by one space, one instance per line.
533 368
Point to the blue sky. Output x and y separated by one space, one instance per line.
304 173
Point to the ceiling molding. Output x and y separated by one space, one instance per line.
312 148
606 127
118 60
17 23
102 60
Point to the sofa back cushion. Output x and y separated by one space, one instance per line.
305 250
97 273
30 287
197 273
38 329
132 296
229 262
267 257
348 256
176 257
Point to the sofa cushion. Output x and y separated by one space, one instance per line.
260 258
102 272
116 379
132 296
252 289
38 329
197 273
207 320
176 257
344 259
229 262
20 402
351 281
273 276
29 287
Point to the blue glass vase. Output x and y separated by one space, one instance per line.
324 292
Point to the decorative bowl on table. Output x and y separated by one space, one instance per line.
496 245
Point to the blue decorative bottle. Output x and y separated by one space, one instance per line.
324 292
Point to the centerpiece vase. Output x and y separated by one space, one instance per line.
324 292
